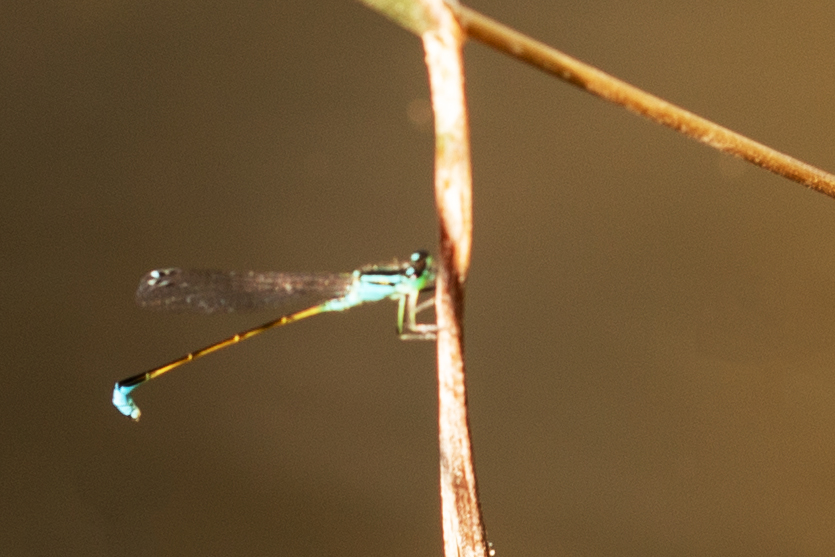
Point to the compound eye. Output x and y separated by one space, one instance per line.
419 264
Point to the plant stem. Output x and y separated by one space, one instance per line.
442 41
596 82
461 513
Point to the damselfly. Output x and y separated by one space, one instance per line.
218 291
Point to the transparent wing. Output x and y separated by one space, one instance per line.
208 291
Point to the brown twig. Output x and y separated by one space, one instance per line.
550 60
443 40
461 514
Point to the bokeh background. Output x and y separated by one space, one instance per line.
650 325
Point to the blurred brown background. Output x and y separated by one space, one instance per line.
650 325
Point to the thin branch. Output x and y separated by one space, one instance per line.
550 60
443 41
461 514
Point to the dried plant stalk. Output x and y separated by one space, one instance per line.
601 84
461 513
